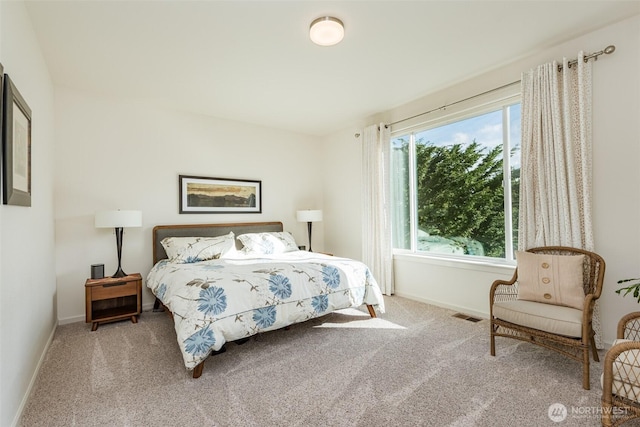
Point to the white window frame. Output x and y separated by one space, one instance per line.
501 100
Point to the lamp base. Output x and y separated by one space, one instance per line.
119 273
309 230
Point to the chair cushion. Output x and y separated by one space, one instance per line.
555 319
552 279
626 373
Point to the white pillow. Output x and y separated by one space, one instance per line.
552 279
267 243
183 250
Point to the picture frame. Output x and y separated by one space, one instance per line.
199 194
16 146
1 114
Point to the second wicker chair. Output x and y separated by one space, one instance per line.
621 376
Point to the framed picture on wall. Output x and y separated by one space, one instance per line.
16 146
200 194
1 109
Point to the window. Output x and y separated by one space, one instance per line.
455 184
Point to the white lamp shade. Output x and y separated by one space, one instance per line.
115 219
326 31
309 215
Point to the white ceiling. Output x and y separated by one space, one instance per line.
252 61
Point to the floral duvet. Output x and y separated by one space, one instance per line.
224 300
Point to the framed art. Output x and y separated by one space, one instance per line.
200 194
1 114
16 147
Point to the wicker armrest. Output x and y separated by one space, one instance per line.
629 327
621 371
503 290
589 303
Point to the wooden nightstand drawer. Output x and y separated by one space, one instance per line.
113 290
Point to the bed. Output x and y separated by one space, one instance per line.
227 282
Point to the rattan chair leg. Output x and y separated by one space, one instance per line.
594 350
493 342
606 415
585 368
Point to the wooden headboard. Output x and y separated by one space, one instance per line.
206 230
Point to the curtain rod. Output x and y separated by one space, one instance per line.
607 50
453 103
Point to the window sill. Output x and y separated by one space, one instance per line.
467 263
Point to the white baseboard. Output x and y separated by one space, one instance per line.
464 310
82 318
457 308
73 319
27 394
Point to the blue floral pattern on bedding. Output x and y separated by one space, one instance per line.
264 317
213 301
280 286
222 300
330 276
200 343
161 291
320 303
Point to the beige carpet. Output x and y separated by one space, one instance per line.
416 365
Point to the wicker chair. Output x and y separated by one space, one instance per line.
504 293
621 376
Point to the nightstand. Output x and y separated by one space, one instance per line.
113 298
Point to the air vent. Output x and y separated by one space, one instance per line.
467 317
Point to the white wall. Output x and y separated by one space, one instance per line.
27 279
342 194
120 154
616 181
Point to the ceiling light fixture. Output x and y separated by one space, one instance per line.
326 31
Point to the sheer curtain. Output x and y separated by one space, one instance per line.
376 221
555 184
555 187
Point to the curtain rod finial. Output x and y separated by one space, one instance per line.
609 49
356 135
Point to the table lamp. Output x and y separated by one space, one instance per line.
309 216
118 220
